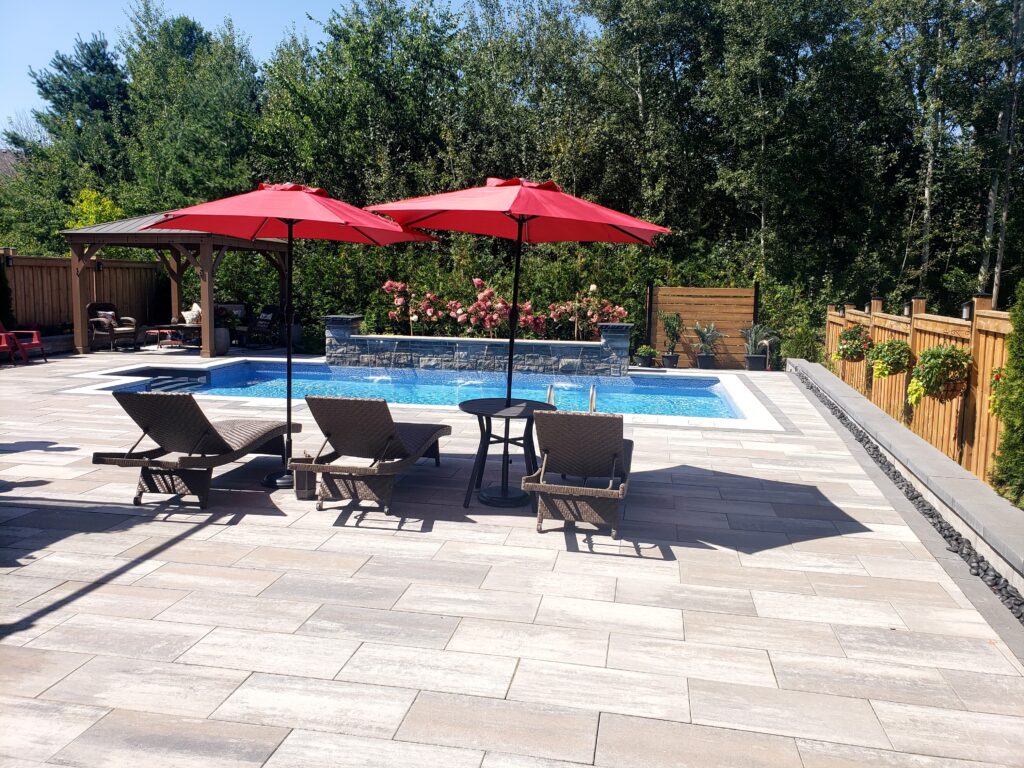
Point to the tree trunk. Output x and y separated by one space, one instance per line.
1011 152
932 127
764 202
926 212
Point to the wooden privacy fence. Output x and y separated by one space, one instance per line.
730 309
41 289
962 428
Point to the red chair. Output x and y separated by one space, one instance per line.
24 341
9 344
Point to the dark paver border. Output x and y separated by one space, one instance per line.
931 482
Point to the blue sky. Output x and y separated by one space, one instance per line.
35 29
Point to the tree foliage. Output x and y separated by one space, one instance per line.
830 149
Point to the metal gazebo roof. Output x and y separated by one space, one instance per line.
132 232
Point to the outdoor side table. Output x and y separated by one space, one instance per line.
486 410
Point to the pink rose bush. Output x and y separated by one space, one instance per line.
488 313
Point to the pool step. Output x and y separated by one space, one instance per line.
174 385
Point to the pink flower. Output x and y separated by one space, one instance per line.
478 283
399 301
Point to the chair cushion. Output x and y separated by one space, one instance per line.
109 316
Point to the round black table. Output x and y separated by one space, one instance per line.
486 409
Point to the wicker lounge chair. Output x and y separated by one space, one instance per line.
369 449
176 423
587 446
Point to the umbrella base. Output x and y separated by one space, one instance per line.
496 496
280 479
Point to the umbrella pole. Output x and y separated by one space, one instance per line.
513 316
284 478
503 496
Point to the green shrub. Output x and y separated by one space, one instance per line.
803 342
1008 474
6 302
672 323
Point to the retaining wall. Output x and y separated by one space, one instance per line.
607 357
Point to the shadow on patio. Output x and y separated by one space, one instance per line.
675 511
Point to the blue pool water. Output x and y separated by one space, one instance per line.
666 396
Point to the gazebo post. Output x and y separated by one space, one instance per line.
172 263
81 290
206 273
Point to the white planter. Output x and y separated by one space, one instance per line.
221 341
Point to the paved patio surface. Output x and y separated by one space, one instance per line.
768 605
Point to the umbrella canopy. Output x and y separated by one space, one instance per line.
265 212
549 215
287 211
526 212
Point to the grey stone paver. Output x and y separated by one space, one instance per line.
633 742
126 737
768 604
787 713
274 652
30 671
118 636
472 722
474 674
36 730
309 749
321 705
147 686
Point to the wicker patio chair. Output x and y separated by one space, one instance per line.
189 445
369 450
584 446
106 326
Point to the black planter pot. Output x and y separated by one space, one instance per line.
670 361
705 361
644 361
757 362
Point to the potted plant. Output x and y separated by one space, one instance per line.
759 339
645 355
672 324
941 372
889 358
707 339
854 343
224 322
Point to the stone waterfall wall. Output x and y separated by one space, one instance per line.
607 357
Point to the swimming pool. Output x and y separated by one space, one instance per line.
693 396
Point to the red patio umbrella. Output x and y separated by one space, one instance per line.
523 211
287 211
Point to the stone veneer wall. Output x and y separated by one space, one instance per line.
607 357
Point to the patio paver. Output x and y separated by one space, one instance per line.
767 605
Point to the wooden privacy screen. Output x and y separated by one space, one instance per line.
961 428
730 309
41 289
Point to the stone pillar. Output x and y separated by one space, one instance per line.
615 341
339 331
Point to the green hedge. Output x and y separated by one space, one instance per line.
1008 475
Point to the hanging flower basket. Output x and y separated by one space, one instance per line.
941 372
854 344
951 390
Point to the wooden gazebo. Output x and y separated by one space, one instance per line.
177 249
